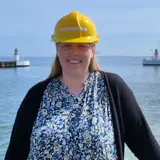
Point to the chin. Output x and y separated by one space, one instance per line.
75 72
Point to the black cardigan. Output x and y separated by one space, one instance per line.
129 122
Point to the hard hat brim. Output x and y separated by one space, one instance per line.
88 39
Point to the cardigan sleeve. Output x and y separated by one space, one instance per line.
19 144
138 135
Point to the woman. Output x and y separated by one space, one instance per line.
80 112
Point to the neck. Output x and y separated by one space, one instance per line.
74 82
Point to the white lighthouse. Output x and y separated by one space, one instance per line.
20 63
156 54
16 55
154 61
16 62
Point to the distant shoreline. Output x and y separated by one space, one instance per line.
114 56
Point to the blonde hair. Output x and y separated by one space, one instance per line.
56 70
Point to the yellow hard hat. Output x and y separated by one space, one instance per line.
75 28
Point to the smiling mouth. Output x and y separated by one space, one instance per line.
74 61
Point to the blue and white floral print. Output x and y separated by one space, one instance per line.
70 127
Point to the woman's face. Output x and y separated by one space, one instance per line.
75 57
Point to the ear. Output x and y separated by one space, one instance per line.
93 51
57 51
57 54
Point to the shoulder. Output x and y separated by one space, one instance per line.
38 88
113 78
115 82
33 97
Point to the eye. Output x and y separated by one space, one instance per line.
66 46
83 46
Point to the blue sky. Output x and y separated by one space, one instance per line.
130 28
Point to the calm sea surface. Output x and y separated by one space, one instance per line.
15 82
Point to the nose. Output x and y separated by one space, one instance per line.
75 49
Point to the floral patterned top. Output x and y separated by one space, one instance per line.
70 127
